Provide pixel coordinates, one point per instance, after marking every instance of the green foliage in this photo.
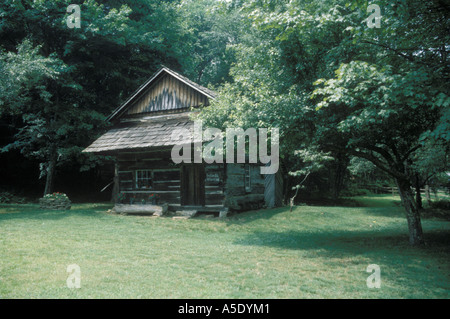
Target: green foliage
(212, 28)
(333, 86)
(21, 73)
(60, 83)
(313, 159)
(7, 198)
(372, 100)
(328, 81)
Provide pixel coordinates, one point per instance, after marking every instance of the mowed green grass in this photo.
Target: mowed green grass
(311, 252)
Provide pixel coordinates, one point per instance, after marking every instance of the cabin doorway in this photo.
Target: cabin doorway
(192, 185)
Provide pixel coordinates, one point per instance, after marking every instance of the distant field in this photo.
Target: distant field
(311, 252)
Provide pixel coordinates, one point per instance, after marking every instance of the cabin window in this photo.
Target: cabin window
(247, 179)
(144, 179)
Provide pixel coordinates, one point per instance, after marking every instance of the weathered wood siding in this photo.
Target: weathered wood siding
(214, 185)
(237, 197)
(166, 176)
(273, 193)
(167, 179)
(224, 184)
(168, 93)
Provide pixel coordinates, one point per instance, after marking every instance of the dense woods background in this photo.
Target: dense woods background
(358, 107)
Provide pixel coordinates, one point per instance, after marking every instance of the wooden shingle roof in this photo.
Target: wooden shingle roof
(148, 132)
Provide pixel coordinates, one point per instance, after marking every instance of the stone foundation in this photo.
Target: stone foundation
(245, 202)
(55, 204)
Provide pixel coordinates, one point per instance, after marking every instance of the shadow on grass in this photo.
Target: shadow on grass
(250, 216)
(345, 242)
(377, 201)
(385, 212)
(241, 218)
(329, 202)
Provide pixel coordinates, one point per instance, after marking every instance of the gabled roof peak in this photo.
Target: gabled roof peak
(155, 77)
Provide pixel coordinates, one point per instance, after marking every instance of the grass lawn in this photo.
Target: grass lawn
(311, 252)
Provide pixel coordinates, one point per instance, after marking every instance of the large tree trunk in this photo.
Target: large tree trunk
(412, 213)
(339, 174)
(51, 167)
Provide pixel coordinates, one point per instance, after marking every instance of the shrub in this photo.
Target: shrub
(121, 197)
(441, 204)
(5, 197)
(8, 198)
(355, 192)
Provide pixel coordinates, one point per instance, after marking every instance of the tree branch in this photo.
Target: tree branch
(415, 148)
(383, 152)
(396, 154)
(377, 163)
(396, 51)
(371, 158)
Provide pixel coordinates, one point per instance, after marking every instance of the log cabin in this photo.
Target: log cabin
(140, 140)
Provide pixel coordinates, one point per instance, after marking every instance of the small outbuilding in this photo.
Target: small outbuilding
(141, 140)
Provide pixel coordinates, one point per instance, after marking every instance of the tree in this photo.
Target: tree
(276, 64)
(382, 117)
(429, 161)
(63, 82)
(333, 84)
(389, 106)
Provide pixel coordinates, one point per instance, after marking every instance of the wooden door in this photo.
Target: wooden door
(192, 185)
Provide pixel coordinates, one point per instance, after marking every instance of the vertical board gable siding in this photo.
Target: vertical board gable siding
(168, 93)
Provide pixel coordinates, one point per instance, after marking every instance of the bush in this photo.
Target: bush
(441, 204)
(350, 192)
(8, 198)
